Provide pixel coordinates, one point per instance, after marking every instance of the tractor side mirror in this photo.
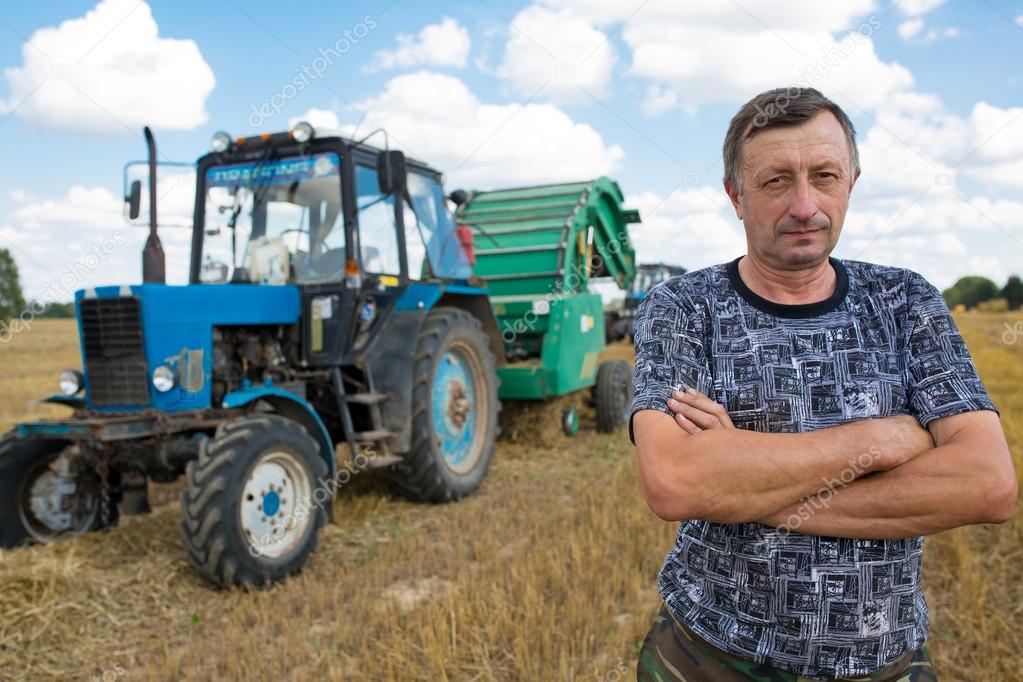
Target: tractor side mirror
(393, 172)
(134, 199)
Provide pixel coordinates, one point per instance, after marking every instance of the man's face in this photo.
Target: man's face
(796, 182)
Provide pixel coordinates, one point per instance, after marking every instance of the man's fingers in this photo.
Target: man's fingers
(698, 417)
(687, 426)
(700, 401)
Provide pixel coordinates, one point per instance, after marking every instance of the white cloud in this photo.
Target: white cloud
(437, 118)
(81, 239)
(829, 16)
(910, 28)
(913, 145)
(1019, 20)
(722, 51)
(321, 119)
(556, 55)
(693, 227)
(658, 100)
(916, 8)
(443, 44)
(110, 71)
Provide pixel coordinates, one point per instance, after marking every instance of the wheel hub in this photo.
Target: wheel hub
(58, 503)
(455, 410)
(458, 404)
(273, 509)
(271, 503)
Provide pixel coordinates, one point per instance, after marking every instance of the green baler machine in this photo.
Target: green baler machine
(537, 248)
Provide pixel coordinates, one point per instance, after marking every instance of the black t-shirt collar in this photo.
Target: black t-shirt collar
(797, 311)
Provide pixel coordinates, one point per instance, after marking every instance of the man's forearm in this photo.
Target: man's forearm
(735, 476)
(925, 495)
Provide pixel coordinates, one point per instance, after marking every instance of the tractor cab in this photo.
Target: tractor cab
(353, 226)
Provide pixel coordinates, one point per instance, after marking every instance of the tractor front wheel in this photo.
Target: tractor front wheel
(613, 395)
(46, 494)
(254, 501)
(454, 409)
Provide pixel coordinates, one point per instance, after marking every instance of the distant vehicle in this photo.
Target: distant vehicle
(619, 324)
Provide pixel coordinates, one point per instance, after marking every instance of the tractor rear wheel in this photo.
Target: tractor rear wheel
(454, 410)
(613, 395)
(44, 496)
(251, 502)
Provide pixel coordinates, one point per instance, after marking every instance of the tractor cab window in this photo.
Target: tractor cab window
(378, 234)
(274, 221)
(642, 282)
(431, 243)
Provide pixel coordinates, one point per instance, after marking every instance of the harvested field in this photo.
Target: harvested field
(546, 574)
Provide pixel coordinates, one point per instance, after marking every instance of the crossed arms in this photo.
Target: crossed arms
(882, 478)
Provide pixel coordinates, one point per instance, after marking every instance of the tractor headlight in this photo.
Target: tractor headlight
(221, 142)
(302, 132)
(71, 382)
(163, 378)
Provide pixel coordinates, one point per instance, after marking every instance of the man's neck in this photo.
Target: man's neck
(788, 287)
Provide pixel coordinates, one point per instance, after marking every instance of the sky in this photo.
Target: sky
(497, 93)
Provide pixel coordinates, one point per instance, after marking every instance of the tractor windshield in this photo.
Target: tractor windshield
(274, 220)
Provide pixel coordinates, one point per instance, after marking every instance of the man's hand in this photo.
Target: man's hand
(695, 412)
(900, 438)
(971, 465)
(894, 440)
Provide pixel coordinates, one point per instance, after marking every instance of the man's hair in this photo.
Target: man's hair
(775, 108)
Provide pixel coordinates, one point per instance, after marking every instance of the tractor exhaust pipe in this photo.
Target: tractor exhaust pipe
(154, 269)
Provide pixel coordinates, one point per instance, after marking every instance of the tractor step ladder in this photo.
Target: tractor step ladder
(366, 398)
(377, 435)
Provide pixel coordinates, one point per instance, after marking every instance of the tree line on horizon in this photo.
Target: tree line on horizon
(977, 292)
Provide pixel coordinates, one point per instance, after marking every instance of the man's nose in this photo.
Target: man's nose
(803, 207)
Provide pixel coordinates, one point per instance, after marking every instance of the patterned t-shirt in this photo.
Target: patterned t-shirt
(883, 344)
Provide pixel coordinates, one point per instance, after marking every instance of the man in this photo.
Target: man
(808, 420)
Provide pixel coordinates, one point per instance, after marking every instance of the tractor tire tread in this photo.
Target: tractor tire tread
(204, 527)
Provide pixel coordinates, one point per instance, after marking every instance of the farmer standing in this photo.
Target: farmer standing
(808, 420)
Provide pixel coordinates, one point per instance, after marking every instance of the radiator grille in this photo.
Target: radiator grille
(115, 360)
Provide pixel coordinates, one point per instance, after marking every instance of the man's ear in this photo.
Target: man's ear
(856, 176)
(733, 195)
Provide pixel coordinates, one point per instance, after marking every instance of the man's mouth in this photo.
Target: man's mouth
(802, 233)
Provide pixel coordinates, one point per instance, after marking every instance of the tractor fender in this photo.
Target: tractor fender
(424, 296)
(479, 307)
(293, 407)
(391, 358)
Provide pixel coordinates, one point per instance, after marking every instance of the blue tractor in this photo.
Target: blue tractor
(331, 301)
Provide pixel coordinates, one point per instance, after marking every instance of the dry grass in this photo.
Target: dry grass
(547, 573)
(30, 365)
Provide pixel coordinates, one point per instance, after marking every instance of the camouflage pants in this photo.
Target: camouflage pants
(673, 653)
